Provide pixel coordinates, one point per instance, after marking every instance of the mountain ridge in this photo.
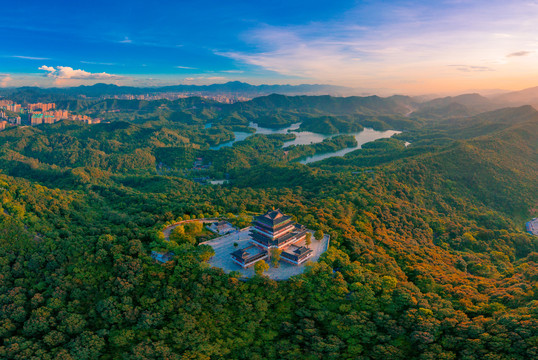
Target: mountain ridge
(526, 96)
(233, 87)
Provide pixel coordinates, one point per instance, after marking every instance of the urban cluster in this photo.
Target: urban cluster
(13, 114)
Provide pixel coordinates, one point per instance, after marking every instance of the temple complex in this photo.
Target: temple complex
(274, 230)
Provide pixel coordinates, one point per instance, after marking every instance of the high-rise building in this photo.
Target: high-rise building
(43, 107)
(14, 107)
(60, 114)
(48, 119)
(35, 118)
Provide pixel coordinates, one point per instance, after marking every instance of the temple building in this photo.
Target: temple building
(249, 256)
(222, 227)
(296, 255)
(274, 230)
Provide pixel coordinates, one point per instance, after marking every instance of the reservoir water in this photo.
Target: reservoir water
(363, 137)
(307, 138)
(239, 136)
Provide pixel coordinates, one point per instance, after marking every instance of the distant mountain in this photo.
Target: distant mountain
(468, 100)
(523, 97)
(236, 88)
(245, 88)
(456, 106)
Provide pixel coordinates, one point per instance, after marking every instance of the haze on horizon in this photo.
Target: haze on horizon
(410, 47)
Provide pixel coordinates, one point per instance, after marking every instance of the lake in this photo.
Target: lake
(363, 137)
(239, 136)
(308, 138)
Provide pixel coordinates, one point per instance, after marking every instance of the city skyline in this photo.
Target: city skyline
(412, 47)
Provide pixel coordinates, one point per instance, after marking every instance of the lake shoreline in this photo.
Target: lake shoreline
(310, 138)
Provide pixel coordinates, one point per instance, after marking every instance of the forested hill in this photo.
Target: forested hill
(490, 158)
(488, 123)
(327, 104)
(496, 163)
(428, 257)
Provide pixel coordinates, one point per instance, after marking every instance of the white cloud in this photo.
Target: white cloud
(471, 68)
(66, 72)
(203, 80)
(29, 57)
(185, 67)
(97, 63)
(145, 41)
(5, 79)
(519, 53)
(414, 45)
(292, 54)
(47, 68)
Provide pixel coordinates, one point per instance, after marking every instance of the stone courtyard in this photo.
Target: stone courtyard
(224, 246)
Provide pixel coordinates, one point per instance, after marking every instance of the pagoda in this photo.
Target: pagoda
(274, 229)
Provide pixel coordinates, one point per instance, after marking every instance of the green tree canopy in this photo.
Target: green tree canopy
(260, 267)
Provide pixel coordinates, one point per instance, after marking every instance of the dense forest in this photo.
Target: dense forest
(428, 256)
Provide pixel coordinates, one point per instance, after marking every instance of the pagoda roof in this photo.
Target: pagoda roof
(241, 254)
(247, 252)
(268, 241)
(272, 217)
(301, 250)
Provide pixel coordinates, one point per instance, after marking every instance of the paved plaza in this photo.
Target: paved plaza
(224, 246)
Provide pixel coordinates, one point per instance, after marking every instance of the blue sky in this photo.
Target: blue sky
(383, 46)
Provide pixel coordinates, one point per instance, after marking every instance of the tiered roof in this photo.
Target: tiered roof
(272, 218)
(269, 241)
(241, 254)
(247, 256)
(297, 254)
